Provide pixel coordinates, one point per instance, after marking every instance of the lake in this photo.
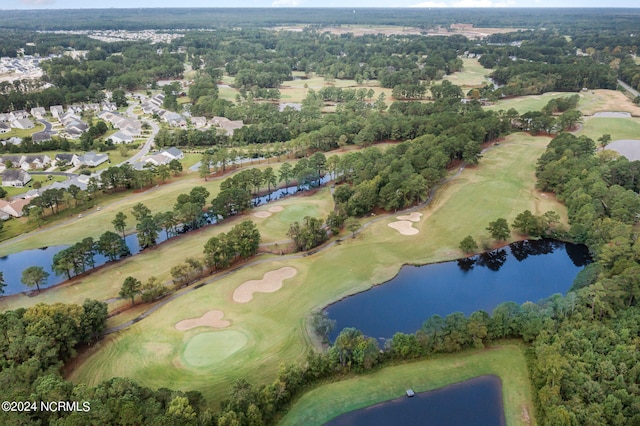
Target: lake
(475, 402)
(524, 271)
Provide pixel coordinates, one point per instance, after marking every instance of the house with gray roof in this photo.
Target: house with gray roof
(90, 159)
(22, 123)
(15, 177)
(121, 137)
(56, 110)
(173, 153)
(4, 128)
(38, 112)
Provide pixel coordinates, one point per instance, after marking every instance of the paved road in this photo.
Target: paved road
(628, 88)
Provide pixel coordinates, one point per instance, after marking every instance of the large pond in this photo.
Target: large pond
(475, 402)
(13, 264)
(524, 271)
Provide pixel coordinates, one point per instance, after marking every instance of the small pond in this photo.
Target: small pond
(475, 402)
(524, 271)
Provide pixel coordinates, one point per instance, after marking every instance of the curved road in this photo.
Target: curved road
(628, 88)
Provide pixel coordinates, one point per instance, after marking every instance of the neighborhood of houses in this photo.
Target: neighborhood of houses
(14, 172)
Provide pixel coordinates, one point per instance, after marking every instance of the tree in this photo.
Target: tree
(499, 229)
(468, 245)
(285, 174)
(528, 224)
(175, 166)
(130, 287)
(119, 223)
(34, 276)
(352, 224)
(112, 245)
(604, 140)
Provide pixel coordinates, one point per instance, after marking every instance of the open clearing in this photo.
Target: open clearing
(275, 323)
(472, 75)
(506, 361)
(618, 128)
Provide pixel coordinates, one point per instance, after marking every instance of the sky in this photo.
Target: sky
(84, 4)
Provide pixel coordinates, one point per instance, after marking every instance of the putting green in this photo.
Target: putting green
(208, 349)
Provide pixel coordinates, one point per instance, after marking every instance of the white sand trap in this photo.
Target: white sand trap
(404, 227)
(413, 217)
(613, 114)
(270, 282)
(209, 319)
(630, 148)
(261, 214)
(276, 209)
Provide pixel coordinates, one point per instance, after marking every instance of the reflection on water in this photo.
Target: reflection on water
(475, 402)
(521, 272)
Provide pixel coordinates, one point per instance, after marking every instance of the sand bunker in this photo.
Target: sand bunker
(413, 217)
(261, 214)
(266, 213)
(270, 282)
(209, 319)
(404, 227)
(613, 114)
(630, 148)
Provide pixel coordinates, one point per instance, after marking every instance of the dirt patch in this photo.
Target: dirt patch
(270, 282)
(526, 419)
(276, 209)
(404, 227)
(209, 319)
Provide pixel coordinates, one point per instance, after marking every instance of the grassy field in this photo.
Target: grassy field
(472, 75)
(21, 133)
(590, 102)
(505, 361)
(152, 351)
(618, 128)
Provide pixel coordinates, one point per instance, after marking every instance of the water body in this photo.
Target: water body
(12, 265)
(630, 148)
(524, 271)
(475, 402)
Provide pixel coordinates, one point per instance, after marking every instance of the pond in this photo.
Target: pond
(524, 271)
(13, 264)
(475, 402)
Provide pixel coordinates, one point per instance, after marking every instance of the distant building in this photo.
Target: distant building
(90, 159)
(14, 208)
(22, 123)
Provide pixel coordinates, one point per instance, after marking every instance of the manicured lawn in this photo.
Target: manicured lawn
(274, 323)
(43, 179)
(505, 361)
(618, 128)
(21, 133)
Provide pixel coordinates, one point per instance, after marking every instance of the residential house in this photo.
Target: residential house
(199, 122)
(30, 162)
(90, 159)
(74, 109)
(227, 125)
(15, 177)
(22, 123)
(38, 112)
(174, 119)
(157, 159)
(18, 115)
(4, 128)
(121, 137)
(13, 141)
(41, 136)
(14, 208)
(109, 106)
(56, 110)
(4, 117)
(65, 159)
(173, 153)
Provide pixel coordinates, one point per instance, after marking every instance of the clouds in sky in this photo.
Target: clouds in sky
(37, 2)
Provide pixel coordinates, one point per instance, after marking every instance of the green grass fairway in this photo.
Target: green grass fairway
(328, 401)
(524, 104)
(472, 75)
(275, 323)
(210, 348)
(618, 128)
